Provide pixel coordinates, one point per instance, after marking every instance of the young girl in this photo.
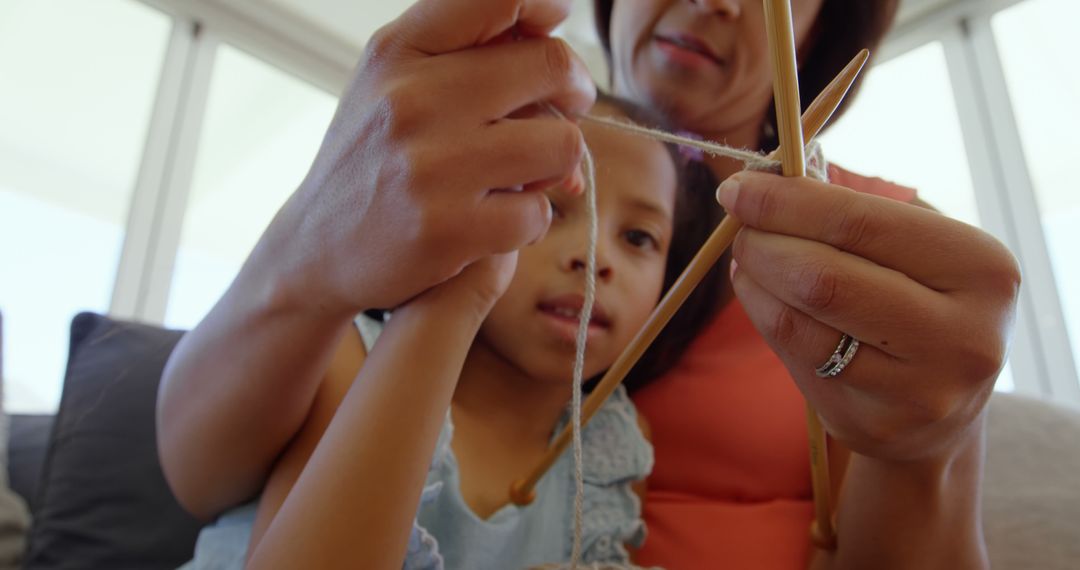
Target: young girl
(466, 386)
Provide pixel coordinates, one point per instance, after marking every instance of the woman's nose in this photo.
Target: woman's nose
(730, 9)
(603, 270)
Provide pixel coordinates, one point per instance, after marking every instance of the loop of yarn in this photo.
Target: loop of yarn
(816, 168)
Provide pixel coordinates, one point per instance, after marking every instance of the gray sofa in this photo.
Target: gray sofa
(90, 474)
(99, 500)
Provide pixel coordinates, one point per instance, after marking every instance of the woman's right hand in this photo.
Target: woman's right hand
(404, 193)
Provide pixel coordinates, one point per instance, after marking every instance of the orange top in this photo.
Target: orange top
(731, 484)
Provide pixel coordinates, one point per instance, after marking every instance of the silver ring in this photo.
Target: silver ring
(840, 358)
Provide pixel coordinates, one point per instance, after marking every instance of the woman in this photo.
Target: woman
(931, 299)
(816, 262)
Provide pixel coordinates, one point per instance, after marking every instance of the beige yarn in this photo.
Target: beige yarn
(816, 168)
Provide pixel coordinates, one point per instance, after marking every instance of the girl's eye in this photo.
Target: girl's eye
(641, 239)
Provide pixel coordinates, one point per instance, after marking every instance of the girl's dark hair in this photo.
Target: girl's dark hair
(696, 216)
(843, 27)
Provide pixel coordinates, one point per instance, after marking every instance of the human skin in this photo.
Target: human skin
(241, 384)
(345, 492)
(932, 299)
(411, 156)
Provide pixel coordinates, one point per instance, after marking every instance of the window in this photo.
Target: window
(884, 134)
(1035, 40)
(79, 80)
(261, 132)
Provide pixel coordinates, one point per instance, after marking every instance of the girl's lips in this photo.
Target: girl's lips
(573, 318)
(563, 314)
(569, 307)
(566, 328)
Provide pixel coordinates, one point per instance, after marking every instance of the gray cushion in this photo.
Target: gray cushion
(102, 501)
(14, 518)
(1031, 493)
(26, 453)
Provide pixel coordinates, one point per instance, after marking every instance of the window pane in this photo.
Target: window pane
(884, 134)
(79, 80)
(261, 132)
(1036, 40)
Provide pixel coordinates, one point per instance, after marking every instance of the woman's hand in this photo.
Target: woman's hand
(400, 199)
(404, 192)
(931, 299)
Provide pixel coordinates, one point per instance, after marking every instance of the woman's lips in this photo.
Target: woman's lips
(687, 49)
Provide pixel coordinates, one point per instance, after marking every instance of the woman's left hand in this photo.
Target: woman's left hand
(932, 301)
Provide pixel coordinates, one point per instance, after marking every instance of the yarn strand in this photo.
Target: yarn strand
(816, 167)
(579, 356)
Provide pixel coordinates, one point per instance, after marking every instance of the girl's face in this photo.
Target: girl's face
(703, 63)
(534, 324)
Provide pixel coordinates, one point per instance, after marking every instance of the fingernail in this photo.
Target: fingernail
(734, 267)
(576, 183)
(728, 192)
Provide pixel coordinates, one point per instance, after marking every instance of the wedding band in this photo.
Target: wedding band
(840, 358)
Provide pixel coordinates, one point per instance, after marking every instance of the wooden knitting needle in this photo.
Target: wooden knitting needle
(522, 491)
(781, 35)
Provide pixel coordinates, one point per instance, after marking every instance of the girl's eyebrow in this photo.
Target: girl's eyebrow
(649, 206)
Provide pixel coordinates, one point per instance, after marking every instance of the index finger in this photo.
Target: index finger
(924, 245)
(432, 27)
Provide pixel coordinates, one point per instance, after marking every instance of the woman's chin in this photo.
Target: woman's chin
(681, 107)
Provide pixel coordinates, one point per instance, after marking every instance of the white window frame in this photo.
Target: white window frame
(1041, 357)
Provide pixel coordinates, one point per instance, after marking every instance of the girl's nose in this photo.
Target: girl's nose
(603, 270)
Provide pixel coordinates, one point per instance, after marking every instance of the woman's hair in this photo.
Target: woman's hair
(842, 29)
(696, 216)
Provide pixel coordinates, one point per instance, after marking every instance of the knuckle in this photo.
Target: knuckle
(982, 360)
(400, 110)
(852, 227)
(409, 170)
(768, 205)
(783, 327)
(816, 287)
(380, 45)
(1005, 274)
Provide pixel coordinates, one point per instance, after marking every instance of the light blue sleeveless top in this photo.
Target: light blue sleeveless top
(447, 534)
